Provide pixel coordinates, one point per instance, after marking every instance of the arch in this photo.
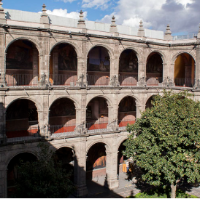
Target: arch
(37, 45)
(147, 99)
(154, 68)
(37, 104)
(184, 70)
(22, 119)
(121, 141)
(62, 116)
(76, 103)
(128, 95)
(175, 56)
(128, 68)
(133, 49)
(66, 42)
(92, 143)
(110, 51)
(101, 96)
(14, 154)
(161, 53)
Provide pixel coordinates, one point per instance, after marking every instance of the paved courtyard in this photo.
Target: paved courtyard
(126, 188)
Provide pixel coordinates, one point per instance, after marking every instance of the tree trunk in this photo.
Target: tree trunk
(173, 191)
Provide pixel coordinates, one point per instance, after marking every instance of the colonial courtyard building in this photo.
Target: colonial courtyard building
(76, 84)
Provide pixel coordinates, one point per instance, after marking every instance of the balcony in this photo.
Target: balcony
(97, 126)
(98, 80)
(153, 81)
(21, 80)
(128, 80)
(184, 82)
(31, 133)
(124, 123)
(68, 79)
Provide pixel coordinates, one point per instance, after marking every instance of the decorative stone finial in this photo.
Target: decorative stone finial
(44, 19)
(44, 10)
(141, 32)
(168, 33)
(1, 8)
(81, 21)
(198, 35)
(2, 14)
(113, 26)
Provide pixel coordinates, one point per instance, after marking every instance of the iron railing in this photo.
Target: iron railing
(123, 123)
(128, 80)
(153, 81)
(95, 125)
(22, 134)
(184, 82)
(21, 80)
(98, 80)
(55, 129)
(69, 79)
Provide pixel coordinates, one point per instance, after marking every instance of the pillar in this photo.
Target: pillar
(35, 67)
(2, 119)
(197, 67)
(80, 168)
(111, 168)
(54, 73)
(3, 176)
(139, 108)
(2, 58)
(141, 74)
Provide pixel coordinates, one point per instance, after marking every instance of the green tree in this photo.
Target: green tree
(165, 141)
(43, 178)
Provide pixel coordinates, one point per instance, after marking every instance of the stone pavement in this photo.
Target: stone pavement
(126, 188)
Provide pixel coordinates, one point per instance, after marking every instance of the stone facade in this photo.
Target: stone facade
(44, 94)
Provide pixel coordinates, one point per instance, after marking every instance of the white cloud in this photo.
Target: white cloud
(63, 13)
(182, 15)
(103, 4)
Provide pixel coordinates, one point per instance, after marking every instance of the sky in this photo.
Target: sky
(183, 16)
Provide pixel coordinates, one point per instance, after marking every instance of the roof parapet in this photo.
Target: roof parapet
(81, 21)
(141, 32)
(2, 14)
(168, 33)
(113, 27)
(44, 19)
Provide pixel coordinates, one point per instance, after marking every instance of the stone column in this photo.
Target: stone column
(141, 74)
(114, 70)
(2, 118)
(139, 108)
(80, 168)
(54, 74)
(197, 67)
(2, 58)
(35, 67)
(43, 117)
(3, 182)
(111, 169)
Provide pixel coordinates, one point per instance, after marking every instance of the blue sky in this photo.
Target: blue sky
(182, 15)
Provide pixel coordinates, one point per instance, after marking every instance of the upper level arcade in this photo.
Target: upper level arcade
(22, 64)
(128, 68)
(98, 66)
(63, 65)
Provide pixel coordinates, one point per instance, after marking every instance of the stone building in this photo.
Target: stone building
(76, 84)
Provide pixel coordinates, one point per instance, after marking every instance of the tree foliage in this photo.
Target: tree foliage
(165, 141)
(43, 178)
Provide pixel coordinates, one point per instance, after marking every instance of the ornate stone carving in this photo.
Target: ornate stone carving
(167, 82)
(114, 81)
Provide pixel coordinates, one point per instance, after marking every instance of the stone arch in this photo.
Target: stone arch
(76, 103)
(175, 56)
(146, 99)
(162, 55)
(34, 41)
(13, 154)
(128, 95)
(78, 52)
(37, 104)
(109, 101)
(92, 143)
(136, 51)
(56, 147)
(121, 141)
(110, 51)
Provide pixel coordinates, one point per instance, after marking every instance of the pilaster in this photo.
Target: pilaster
(111, 169)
